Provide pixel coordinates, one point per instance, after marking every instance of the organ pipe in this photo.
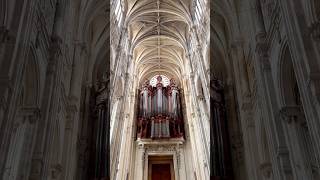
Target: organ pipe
(159, 111)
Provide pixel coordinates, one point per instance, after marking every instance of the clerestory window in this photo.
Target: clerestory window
(165, 80)
(118, 12)
(198, 11)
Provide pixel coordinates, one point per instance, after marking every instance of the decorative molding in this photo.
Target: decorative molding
(127, 115)
(5, 81)
(55, 48)
(261, 46)
(283, 155)
(56, 171)
(314, 31)
(237, 43)
(160, 148)
(200, 97)
(314, 84)
(82, 45)
(31, 114)
(266, 169)
(6, 36)
(292, 114)
(36, 167)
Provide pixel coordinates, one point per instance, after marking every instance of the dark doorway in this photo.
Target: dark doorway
(161, 172)
(160, 168)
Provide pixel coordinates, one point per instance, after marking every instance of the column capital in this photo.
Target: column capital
(119, 97)
(262, 47)
(283, 154)
(5, 35)
(314, 84)
(72, 106)
(314, 30)
(83, 46)
(191, 75)
(266, 169)
(55, 46)
(200, 97)
(237, 43)
(291, 114)
(127, 115)
(32, 113)
(56, 170)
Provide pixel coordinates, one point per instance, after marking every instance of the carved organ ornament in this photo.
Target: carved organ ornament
(159, 113)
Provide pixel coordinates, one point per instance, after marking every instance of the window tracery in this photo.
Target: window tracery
(165, 80)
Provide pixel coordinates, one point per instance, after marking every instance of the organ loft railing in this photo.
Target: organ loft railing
(159, 111)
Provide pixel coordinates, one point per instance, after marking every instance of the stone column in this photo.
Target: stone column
(101, 141)
(201, 69)
(140, 161)
(238, 56)
(181, 162)
(71, 137)
(293, 117)
(269, 111)
(22, 144)
(199, 123)
(12, 63)
(69, 143)
(306, 64)
(47, 129)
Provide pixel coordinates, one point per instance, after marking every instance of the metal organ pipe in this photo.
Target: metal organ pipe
(159, 98)
(159, 115)
(149, 102)
(174, 103)
(145, 102)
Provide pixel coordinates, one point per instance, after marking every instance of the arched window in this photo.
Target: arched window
(165, 80)
(198, 12)
(118, 12)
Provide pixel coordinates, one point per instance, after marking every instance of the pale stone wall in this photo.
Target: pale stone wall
(48, 54)
(260, 41)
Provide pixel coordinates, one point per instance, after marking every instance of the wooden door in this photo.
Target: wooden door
(161, 172)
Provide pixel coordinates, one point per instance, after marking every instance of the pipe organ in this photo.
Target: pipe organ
(160, 113)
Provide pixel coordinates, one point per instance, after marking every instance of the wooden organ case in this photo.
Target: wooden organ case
(159, 111)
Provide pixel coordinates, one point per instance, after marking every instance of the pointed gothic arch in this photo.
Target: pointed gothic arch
(25, 121)
(294, 118)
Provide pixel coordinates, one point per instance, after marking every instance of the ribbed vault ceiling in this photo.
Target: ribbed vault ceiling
(159, 30)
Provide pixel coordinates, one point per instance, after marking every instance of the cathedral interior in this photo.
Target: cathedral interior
(159, 90)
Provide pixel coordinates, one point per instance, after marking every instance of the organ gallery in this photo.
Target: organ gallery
(159, 113)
